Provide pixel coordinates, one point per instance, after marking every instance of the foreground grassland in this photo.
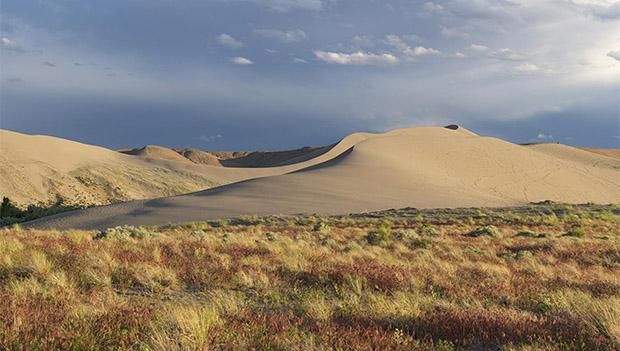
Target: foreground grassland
(543, 277)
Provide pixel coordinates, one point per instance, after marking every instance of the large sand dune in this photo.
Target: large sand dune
(417, 167)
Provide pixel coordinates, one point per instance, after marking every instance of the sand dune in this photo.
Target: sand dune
(417, 167)
(43, 169)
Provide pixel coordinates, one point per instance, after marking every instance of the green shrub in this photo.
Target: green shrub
(444, 345)
(380, 236)
(220, 223)
(530, 234)
(320, 226)
(575, 233)
(404, 234)
(123, 233)
(489, 230)
(420, 243)
(521, 254)
(198, 234)
(427, 229)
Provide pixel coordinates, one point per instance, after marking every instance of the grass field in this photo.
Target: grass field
(542, 277)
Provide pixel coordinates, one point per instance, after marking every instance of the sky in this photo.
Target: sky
(277, 74)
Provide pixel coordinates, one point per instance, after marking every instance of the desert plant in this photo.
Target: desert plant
(427, 229)
(379, 236)
(320, 226)
(489, 230)
(404, 234)
(530, 234)
(575, 232)
(123, 233)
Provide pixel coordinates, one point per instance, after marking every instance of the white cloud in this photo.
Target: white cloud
(288, 5)
(542, 136)
(210, 138)
(299, 60)
(356, 58)
(614, 55)
(287, 37)
(527, 68)
(421, 50)
(478, 47)
(400, 45)
(453, 33)
(507, 55)
(229, 41)
(241, 61)
(8, 44)
(460, 55)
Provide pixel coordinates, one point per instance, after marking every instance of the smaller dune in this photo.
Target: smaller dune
(157, 152)
(199, 157)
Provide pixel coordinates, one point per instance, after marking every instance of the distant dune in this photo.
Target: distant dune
(416, 167)
(245, 159)
(157, 152)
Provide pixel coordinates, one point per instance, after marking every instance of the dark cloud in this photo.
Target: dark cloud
(614, 55)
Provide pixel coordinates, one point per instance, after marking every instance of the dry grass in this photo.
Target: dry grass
(396, 280)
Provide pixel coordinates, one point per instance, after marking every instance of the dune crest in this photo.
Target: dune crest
(424, 167)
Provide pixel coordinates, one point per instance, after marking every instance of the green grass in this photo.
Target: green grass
(392, 280)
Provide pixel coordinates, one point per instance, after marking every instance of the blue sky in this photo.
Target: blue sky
(271, 74)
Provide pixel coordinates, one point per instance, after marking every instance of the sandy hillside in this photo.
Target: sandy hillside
(43, 169)
(417, 167)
